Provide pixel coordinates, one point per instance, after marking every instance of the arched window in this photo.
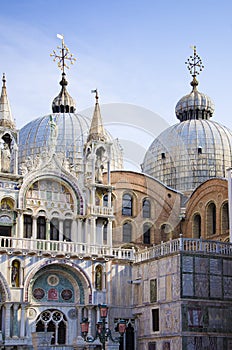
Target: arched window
(146, 208)
(165, 232)
(15, 273)
(196, 226)
(54, 229)
(98, 277)
(147, 233)
(225, 218)
(67, 229)
(53, 321)
(127, 232)
(27, 223)
(105, 200)
(41, 227)
(127, 204)
(211, 219)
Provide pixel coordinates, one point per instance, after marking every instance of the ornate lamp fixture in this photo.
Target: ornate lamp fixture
(103, 333)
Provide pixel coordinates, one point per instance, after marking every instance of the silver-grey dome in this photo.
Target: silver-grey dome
(188, 153)
(195, 105)
(73, 128)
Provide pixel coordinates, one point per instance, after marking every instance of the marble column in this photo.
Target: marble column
(15, 320)
(7, 321)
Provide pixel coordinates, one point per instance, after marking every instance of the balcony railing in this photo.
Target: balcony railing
(63, 249)
(100, 210)
(184, 245)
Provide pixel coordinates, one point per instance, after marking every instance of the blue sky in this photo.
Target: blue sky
(132, 51)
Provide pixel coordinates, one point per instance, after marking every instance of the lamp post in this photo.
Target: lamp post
(103, 333)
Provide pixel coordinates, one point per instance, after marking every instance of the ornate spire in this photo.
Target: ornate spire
(195, 66)
(96, 131)
(6, 118)
(195, 105)
(63, 103)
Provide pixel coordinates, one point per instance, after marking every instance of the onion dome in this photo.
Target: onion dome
(195, 150)
(63, 103)
(6, 119)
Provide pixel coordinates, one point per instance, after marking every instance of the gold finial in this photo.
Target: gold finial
(96, 94)
(194, 65)
(63, 55)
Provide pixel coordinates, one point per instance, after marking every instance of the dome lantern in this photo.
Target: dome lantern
(63, 103)
(195, 105)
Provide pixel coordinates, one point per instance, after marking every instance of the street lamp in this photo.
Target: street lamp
(102, 332)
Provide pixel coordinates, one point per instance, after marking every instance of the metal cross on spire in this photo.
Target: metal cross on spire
(194, 65)
(63, 55)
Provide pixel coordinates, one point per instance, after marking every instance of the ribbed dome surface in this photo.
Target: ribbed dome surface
(194, 105)
(73, 128)
(188, 153)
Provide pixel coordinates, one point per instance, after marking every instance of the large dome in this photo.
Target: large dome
(73, 128)
(187, 154)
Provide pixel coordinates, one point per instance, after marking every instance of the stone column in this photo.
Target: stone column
(109, 233)
(20, 225)
(74, 231)
(7, 320)
(15, 320)
(47, 235)
(79, 231)
(34, 227)
(22, 321)
(61, 228)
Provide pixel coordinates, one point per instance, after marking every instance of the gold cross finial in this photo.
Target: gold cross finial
(194, 63)
(63, 55)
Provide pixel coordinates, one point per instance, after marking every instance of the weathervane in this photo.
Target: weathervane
(194, 65)
(63, 55)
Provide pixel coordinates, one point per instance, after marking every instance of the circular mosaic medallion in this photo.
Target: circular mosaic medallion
(31, 313)
(38, 293)
(72, 314)
(53, 280)
(66, 294)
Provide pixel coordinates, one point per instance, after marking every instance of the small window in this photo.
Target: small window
(163, 156)
(105, 200)
(211, 219)
(27, 226)
(155, 320)
(127, 204)
(153, 290)
(146, 234)
(67, 229)
(127, 232)
(199, 150)
(146, 208)
(152, 346)
(54, 229)
(41, 227)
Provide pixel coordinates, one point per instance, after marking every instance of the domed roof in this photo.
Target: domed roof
(194, 103)
(189, 153)
(72, 132)
(195, 150)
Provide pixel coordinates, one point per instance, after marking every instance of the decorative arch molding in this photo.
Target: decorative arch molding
(82, 280)
(4, 289)
(68, 181)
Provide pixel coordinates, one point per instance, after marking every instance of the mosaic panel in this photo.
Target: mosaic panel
(187, 264)
(227, 267)
(201, 286)
(216, 266)
(170, 320)
(227, 286)
(201, 265)
(187, 285)
(204, 343)
(162, 288)
(215, 287)
(175, 286)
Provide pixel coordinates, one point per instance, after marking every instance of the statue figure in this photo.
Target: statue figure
(6, 157)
